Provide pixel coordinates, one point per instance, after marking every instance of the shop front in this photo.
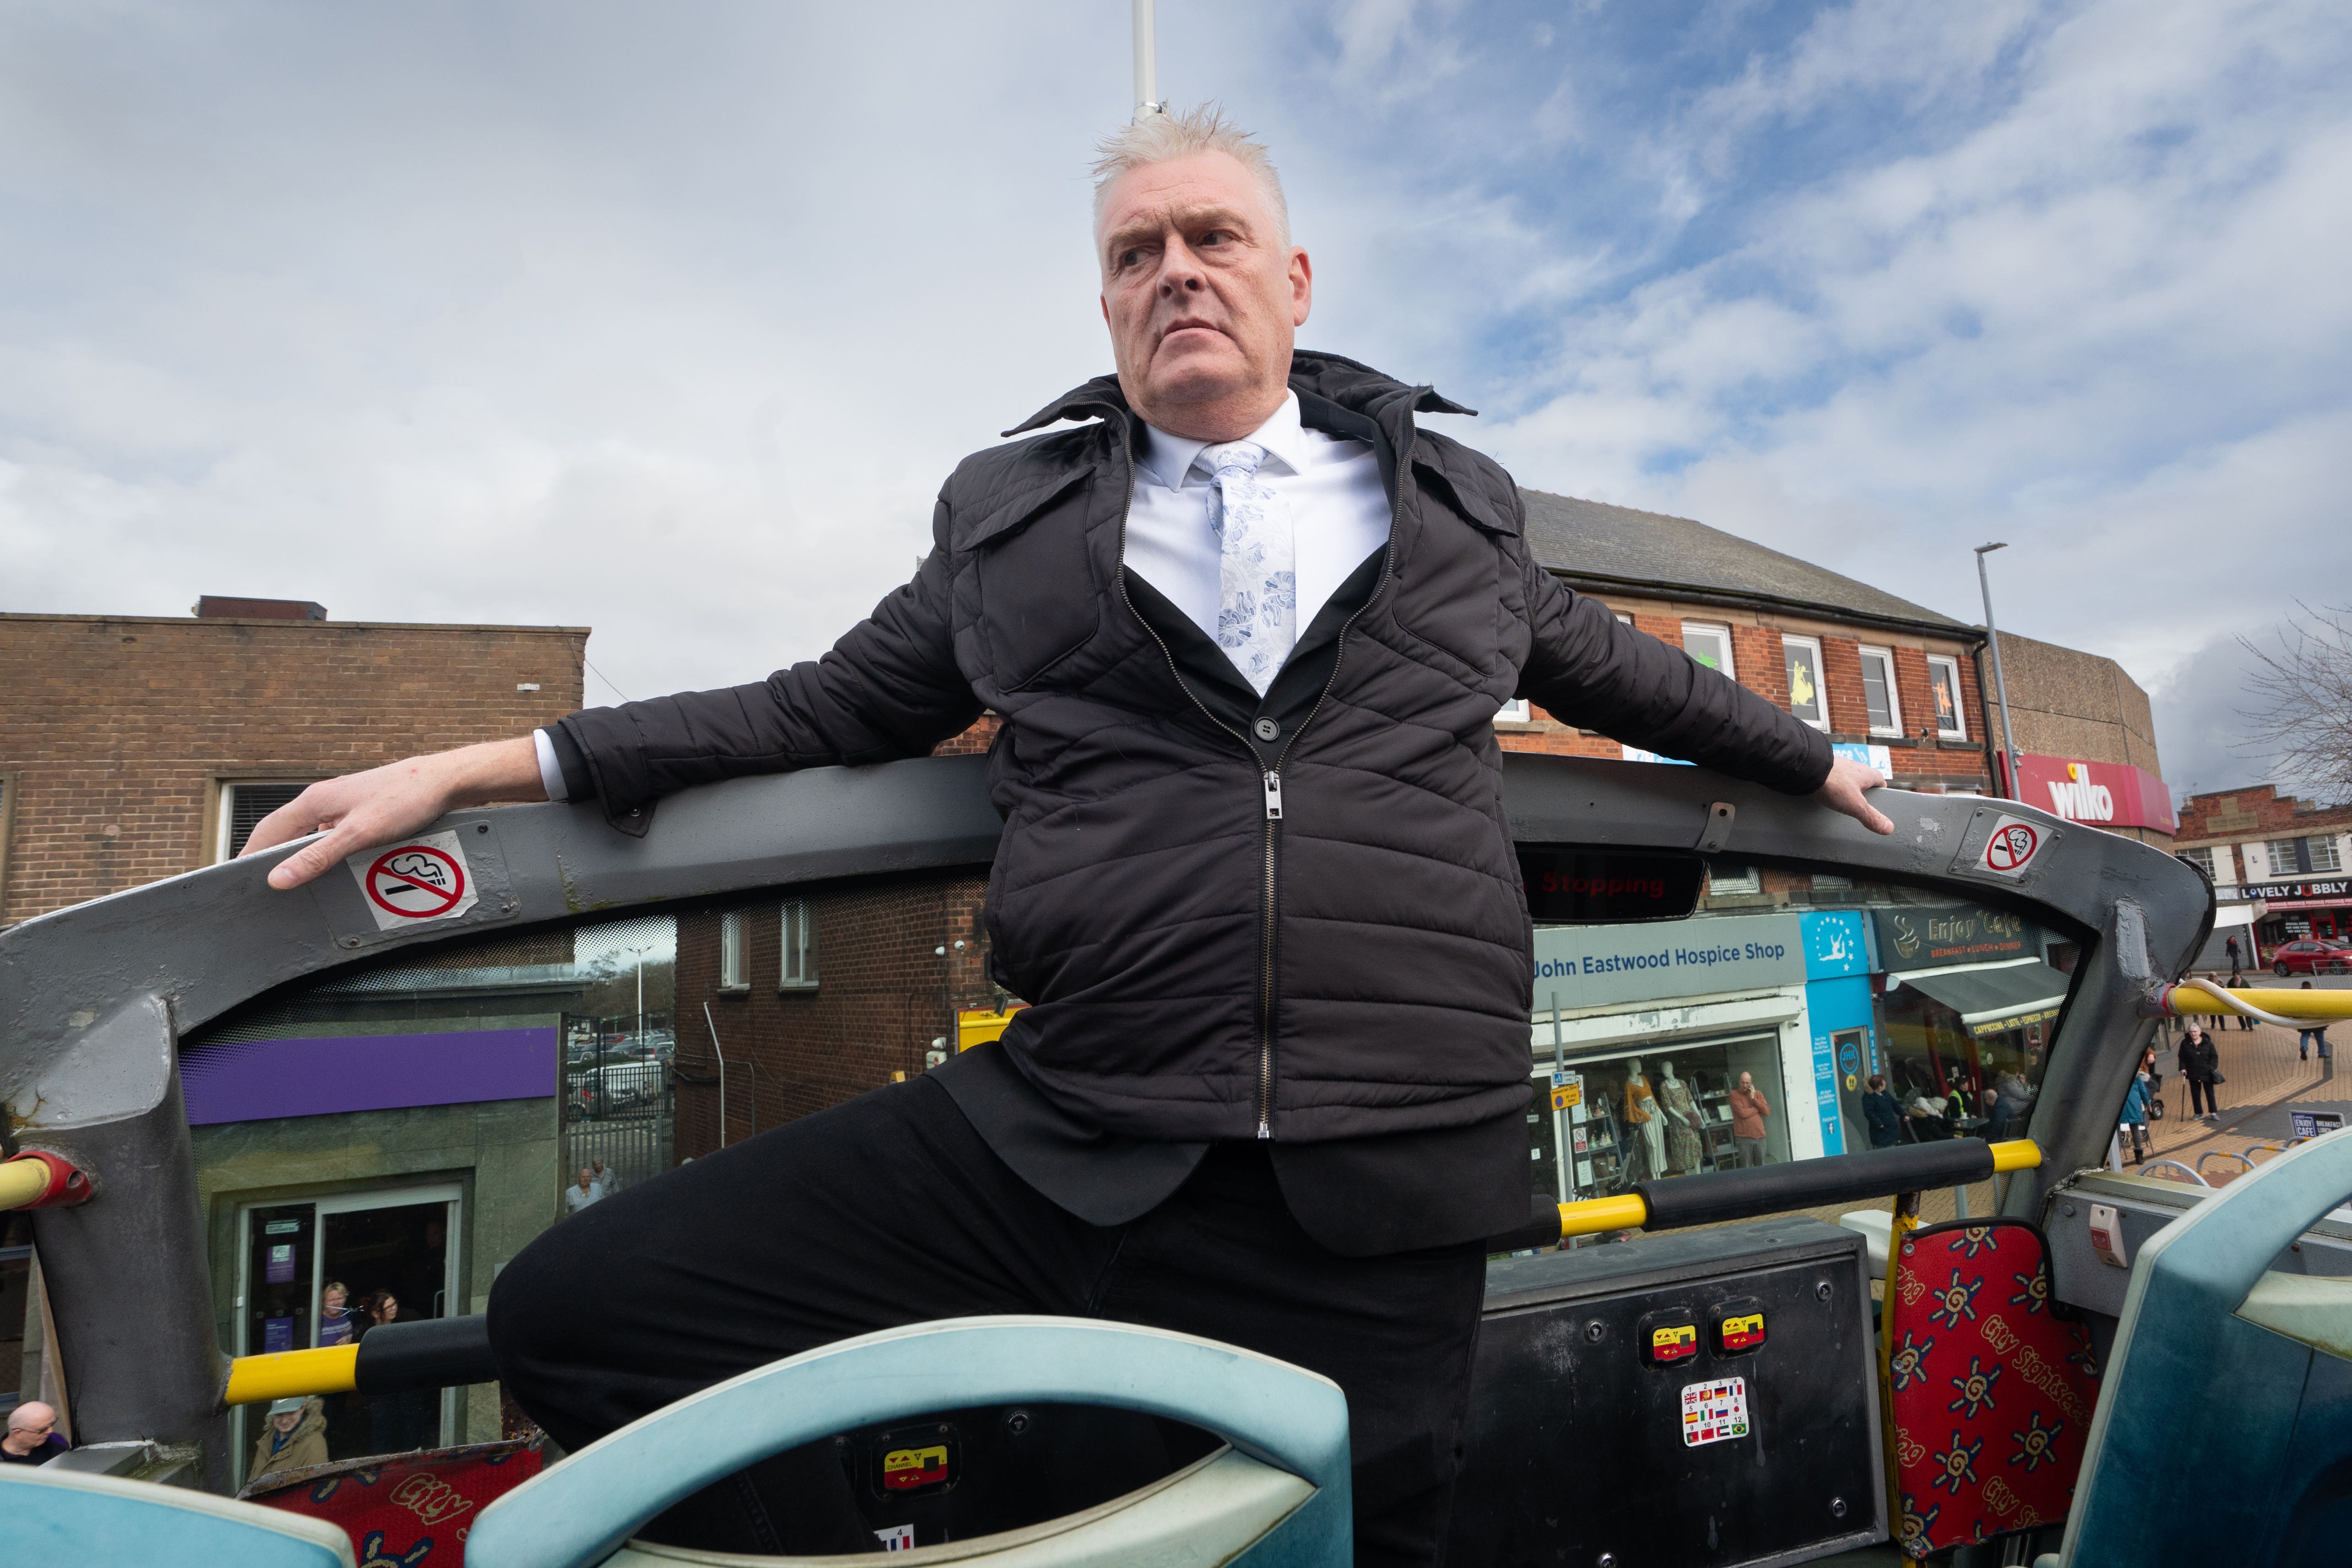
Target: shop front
(1644, 1035)
(2319, 908)
(1968, 1001)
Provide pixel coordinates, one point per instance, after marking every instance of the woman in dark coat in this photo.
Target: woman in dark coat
(2200, 1064)
(398, 1423)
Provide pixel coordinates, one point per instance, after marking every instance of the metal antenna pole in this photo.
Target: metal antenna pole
(1147, 82)
(1993, 632)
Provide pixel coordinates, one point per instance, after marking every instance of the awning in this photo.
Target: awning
(1998, 998)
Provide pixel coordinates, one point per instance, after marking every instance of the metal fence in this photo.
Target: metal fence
(618, 1100)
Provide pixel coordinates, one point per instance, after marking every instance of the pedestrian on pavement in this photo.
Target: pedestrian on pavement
(293, 1437)
(1748, 1110)
(608, 1180)
(2012, 1099)
(2199, 1060)
(2307, 1038)
(1153, 597)
(585, 1192)
(2238, 983)
(33, 1437)
(2236, 962)
(1883, 1115)
(2134, 1119)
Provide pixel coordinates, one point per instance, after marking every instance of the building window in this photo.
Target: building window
(731, 952)
(1944, 681)
(1724, 878)
(799, 973)
(1515, 711)
(1802, 656)
(242, 807)
(2202, 859)
(2300, 857)
(1878, 692)
(1711, 645)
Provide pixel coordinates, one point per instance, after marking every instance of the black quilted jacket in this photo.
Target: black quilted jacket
(1198, 968)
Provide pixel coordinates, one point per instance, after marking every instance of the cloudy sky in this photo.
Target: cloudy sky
(668, 319)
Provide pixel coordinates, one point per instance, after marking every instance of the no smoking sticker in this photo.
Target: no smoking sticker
(415, 881)
(2010, 847)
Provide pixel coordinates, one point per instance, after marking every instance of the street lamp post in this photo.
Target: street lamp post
(2000, 682)
(1146, 86)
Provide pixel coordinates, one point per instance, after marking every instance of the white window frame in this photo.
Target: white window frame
(1820, 685)
(225, 807)
(1710, 628)
(1748, 880)
(731, 953)
(2201, 857)
(1894, 693)
(796, 928)
(1951, 667)
(1516, 712)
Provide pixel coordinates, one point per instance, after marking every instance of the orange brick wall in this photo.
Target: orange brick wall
(116, 730)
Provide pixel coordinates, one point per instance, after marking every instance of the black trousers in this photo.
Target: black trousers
(2200, 1097)
(891, 1210)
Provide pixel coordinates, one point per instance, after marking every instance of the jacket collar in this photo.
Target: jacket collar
(1357, 387)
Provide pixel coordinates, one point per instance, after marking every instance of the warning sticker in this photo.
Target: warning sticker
(1714, 1412)
(898, 1538)
(422, 879)
(2010, 847)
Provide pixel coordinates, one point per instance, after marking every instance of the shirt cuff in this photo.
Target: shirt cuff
(551, 771)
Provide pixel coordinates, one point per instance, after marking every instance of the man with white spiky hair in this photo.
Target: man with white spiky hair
(1247, 627)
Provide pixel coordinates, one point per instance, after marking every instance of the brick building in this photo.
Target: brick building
(2086, 739)
(2281, 865)
(135, 747)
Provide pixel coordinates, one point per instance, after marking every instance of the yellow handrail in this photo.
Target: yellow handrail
(2016, 1154)
(2321, 1007)
(22, 1182)
(289, 1374)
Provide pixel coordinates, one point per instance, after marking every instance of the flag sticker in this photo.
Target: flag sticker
(1714, 1412)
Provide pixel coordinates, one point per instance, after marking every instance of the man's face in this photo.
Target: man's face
(1203, 297)
(288, 1422)
(1748, 1082)
(583, 1178)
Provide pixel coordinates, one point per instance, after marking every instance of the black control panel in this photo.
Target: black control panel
(1692, 1398)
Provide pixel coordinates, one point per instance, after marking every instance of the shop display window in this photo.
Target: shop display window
(1751, 1034)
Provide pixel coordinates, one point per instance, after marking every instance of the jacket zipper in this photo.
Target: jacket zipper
(1272, 778)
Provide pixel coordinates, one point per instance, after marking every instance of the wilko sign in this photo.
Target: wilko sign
(2105, 794)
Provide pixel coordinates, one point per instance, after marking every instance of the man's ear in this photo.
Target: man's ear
(1302, 287)
(1103, 300)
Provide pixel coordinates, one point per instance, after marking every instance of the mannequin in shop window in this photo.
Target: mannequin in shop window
(1683, 1144)
(1641, 1116)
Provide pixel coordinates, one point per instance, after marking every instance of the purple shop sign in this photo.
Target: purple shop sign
(279, 1269)
(276, 1334)
(251, 1081)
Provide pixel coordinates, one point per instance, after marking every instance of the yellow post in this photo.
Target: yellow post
(289, 1374)
(22, 1182)
(1591, 1216)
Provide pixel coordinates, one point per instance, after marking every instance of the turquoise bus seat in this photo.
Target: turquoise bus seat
(57, 1517)
(1276, 1495)
(2223, 1431)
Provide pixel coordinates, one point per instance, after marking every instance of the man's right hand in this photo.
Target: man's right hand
(382, 805)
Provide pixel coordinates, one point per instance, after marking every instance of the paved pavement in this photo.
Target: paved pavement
(2264, 1082)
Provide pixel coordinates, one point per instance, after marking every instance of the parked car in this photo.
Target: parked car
(2312, 955)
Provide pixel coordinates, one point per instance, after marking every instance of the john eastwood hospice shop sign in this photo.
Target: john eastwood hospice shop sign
(1591, 965)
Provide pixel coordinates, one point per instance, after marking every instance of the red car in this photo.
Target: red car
(2312, 955)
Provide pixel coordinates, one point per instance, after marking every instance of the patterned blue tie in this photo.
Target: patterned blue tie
(1258, 605)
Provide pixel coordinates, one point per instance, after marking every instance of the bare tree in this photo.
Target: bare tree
(2301, 690)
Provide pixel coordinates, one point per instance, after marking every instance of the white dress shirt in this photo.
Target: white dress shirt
(1339, 513)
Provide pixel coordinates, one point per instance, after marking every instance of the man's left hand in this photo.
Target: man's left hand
(1843, 790)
